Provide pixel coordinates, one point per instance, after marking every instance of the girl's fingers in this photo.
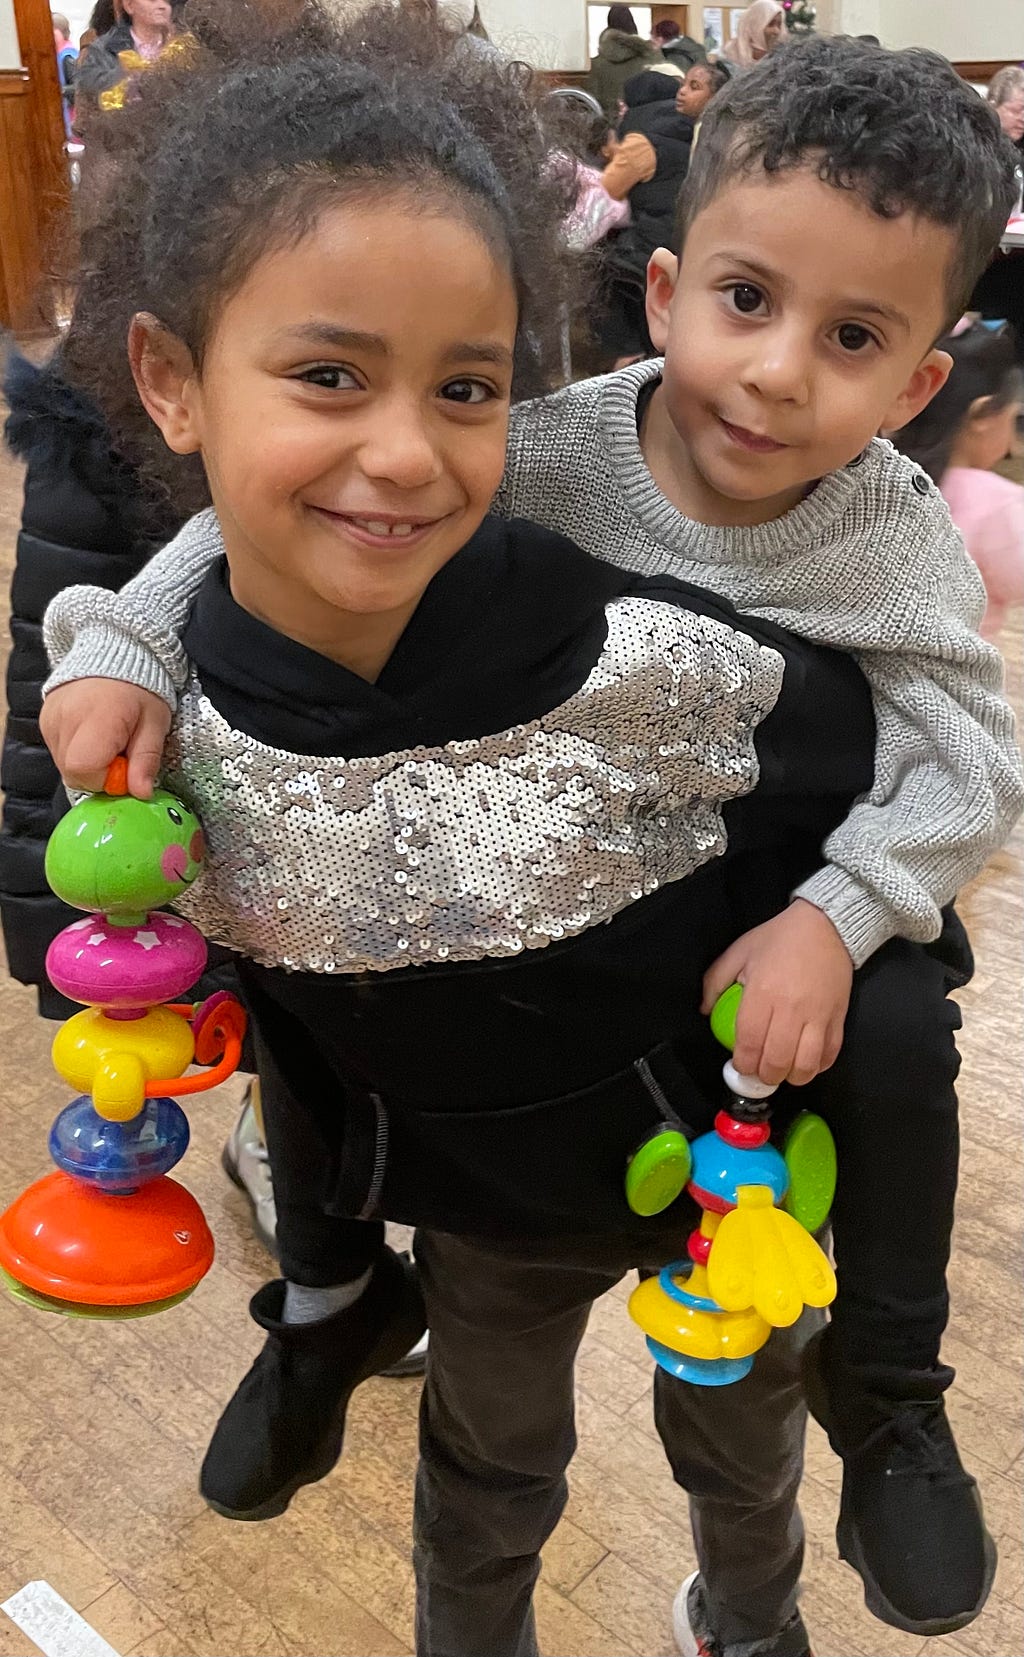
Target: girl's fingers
(145, 750)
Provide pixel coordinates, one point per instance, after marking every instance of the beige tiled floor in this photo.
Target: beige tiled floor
(102, 1426)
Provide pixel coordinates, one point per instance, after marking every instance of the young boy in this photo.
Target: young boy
(840, 205)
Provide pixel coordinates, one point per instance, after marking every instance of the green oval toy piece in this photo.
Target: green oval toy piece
(723, 1015)
(658, 1172)
(810, 1156)
(124, 856)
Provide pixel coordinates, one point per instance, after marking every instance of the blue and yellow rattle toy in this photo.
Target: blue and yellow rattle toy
(753, 1264)
(108, 1234)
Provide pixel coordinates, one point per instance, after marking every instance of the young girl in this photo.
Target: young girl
(432, 751)
(967, 430)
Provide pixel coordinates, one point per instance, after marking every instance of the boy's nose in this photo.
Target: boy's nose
(779, 369)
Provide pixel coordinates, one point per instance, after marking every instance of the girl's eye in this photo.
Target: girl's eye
(852, 337)
(467, 391)
(329, 376)
(746, 298)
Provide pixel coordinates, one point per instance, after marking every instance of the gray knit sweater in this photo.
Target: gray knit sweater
(870, 563)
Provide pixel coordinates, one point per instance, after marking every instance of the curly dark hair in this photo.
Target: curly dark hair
(899, 128)
(236, 143)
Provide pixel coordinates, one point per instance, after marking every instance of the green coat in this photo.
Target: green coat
(619, 58)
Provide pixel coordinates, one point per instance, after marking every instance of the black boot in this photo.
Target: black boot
(285, 1424)
(910, 1520)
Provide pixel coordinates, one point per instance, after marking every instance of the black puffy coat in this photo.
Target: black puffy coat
(652, 112)
(85, 518)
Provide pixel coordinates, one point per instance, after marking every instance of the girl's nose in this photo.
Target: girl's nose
(399, 449)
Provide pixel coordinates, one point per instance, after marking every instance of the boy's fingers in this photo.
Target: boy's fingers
(779, 1050)
(719, 976)
(752, 1023)
(809, 1060)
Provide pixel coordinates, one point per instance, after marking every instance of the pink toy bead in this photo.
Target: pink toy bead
(125, 967)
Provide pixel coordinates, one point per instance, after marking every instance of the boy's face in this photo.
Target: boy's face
(796, 326)
(352, 415)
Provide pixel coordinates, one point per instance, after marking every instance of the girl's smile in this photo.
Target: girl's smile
(352, 415)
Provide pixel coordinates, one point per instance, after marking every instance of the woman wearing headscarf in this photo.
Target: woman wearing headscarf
(758, 31)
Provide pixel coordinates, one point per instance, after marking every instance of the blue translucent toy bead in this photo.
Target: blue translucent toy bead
(718, 1169)
(702, 1372)
(118, 1157)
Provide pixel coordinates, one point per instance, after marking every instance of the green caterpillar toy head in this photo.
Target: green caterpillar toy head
(124, 856)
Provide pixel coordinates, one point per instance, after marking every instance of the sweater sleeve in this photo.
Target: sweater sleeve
(948, 784)
(134, 634)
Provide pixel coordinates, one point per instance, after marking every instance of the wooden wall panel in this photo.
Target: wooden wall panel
(20, 253)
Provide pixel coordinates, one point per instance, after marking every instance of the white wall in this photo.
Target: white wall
(960, 29)
(549, 36)
(10, 54)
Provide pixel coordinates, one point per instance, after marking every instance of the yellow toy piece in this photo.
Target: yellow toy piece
(114, 1058)
(697, 1332)
(762, 1258)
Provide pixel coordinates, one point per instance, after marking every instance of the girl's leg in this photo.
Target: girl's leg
(496, 1435)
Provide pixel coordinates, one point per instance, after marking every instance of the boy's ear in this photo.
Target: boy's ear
(165, 379)
(928, 377)
(662, 274)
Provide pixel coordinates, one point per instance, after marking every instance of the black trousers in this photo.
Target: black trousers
(890, 1100)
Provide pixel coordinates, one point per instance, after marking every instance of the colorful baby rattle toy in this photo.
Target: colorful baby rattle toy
(108, 1234)
(753, 1265)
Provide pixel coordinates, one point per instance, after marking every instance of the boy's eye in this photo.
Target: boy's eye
(746, 297)
(853, 337)
(467, 391)
(328, 375)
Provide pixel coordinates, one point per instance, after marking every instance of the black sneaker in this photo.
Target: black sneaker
(910, 1519)
(285, 1424)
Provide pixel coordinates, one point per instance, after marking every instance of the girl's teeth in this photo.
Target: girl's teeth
(375, 528)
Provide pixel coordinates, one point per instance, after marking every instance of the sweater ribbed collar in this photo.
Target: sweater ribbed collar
(783, 538)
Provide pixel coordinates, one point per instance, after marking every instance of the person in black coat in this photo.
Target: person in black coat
(85, 518)
(648, 167)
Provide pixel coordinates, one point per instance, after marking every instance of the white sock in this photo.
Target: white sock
(305, 1305)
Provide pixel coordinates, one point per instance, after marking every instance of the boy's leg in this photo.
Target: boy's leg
(496, 1435)
(911, 1520)
(738, 1452)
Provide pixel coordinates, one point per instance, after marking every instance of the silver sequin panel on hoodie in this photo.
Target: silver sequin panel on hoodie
(487, 847)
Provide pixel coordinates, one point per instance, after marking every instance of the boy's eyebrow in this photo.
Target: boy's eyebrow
(354, 339)
(847, 302)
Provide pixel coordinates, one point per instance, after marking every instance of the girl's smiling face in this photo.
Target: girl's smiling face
(352, 416)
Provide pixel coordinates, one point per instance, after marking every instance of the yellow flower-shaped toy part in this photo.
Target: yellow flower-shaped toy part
(762, 1258)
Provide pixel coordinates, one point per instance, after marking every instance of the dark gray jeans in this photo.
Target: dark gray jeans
(497, 1434)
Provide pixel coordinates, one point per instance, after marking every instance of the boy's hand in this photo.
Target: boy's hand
(87, 723)
(796, 976)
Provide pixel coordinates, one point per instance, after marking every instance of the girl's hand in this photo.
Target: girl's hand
(797, 976)
(87, 723)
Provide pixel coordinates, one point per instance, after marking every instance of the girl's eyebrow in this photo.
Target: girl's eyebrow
(354, 339)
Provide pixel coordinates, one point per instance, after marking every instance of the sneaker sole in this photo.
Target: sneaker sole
(278, 1504)
(876, 1602)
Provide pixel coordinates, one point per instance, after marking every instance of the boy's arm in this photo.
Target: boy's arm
(134, 634)
(948, 785)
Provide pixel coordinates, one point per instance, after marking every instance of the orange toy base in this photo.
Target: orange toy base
(71, 1242)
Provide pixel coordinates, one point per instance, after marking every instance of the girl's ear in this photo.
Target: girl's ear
(166, 381)
(928, 377)
(662, 273)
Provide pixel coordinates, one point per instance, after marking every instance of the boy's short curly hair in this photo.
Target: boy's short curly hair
(901, 129)
(236, 142)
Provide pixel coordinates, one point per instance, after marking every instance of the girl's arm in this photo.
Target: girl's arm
(119, 664)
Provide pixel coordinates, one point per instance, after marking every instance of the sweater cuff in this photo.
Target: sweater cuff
(861, 919)
(104, 652)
